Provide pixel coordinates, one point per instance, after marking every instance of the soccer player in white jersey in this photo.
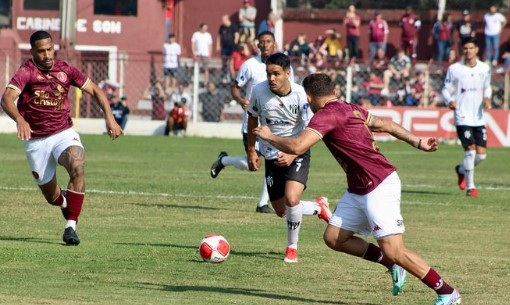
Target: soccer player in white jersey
(252, 72)
(282, 106)
(467, 90)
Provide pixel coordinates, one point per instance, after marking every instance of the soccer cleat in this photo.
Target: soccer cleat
(398, 275)
(290, 255)
(70, 237)
(264, 209)
(453, 298)
(461, 180)
(472, 193)
(217, 166)
(325, 212)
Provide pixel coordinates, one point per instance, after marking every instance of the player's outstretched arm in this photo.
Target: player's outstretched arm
(297, 145)
(252, 155)
(114, 130)
(378, 124)
(9, 106)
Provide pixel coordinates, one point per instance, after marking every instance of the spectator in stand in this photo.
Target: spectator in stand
(240, 55)
(183, 91)
(352, 23)
(494, 23)
(202, 48)
(377, 34)
(212, 104)
(169, 13)
(247, 15)
(228, 38)
(506, 58)
(380, 63)
(299, 48)
(332, 47)
(465, 28)
(442, 33)
(268, 24)
(120, 111)
(178, 118)
(410, 24)
(171, 53)
(398, 68)
(373, 87)
(156, 93)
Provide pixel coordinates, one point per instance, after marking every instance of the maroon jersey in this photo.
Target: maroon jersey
(343, 128)
(43, 100)
(409, 29)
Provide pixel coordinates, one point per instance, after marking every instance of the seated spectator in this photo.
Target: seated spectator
(380, 62)
(240, 55)
(213, 102)
(157, 96)
(373, 87)
(332, 47)
(398, 68)
(299, 48)
(268, 24)
(183, 91)
(120, 111)
(178, 118)
(506, 58)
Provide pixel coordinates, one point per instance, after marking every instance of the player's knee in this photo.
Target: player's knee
(480, 157)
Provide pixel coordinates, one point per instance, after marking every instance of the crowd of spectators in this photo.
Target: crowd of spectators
(377, 80)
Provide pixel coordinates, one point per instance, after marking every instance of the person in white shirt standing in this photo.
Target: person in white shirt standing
(202, 49)
(467, 89)
(171, 52)
(494, 23)
(283, 106)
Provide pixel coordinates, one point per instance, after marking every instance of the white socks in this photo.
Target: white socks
(72, 224)
(239, 162)
(469, 168)
(264, 196)
(294, 219)
(310, 208)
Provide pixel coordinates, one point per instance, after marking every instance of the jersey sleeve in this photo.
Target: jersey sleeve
(78, 79)
(20, 79)
(322, 123)
(243, 76)
(487, 88)
(448, 86)
(306, 111)
(254, 107)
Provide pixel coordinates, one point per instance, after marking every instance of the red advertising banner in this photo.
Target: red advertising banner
(438, 122)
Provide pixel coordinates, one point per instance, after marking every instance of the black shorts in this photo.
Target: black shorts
(472, 135)
(277, 176)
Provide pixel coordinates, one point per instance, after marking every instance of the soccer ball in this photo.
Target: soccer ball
(214, 248)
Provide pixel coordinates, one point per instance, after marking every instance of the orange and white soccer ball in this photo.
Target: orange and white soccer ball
(214, 248)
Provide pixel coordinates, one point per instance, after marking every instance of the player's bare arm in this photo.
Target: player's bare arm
(487, 104)
(378, 124)
(114, 130)
(285, 159)
(236, 94)
(295, 145)
(253, 157)
(9, 106)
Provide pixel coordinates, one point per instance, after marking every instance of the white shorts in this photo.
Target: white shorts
(377, 212)
(43, 153)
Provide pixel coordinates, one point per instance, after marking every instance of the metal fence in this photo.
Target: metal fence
(139, 77)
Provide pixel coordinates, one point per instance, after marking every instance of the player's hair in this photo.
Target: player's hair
(279, 59)
(38, 35)
(265, 33)
(319, 85)
(470, 40)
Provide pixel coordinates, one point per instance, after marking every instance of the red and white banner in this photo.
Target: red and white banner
(438, 122)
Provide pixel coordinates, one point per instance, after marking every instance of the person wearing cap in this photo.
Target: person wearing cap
(247, 15)
(377, 34)
(465, 28)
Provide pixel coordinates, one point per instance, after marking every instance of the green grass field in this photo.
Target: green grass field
(150, 200)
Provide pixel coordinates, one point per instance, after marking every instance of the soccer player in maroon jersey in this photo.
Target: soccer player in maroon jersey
(42, 115)
(372, 201)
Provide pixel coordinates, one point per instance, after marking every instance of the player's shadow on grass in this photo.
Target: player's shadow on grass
(270, 254)
(243, 291)
(175, 206)
(425, 192)
(26, 239)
